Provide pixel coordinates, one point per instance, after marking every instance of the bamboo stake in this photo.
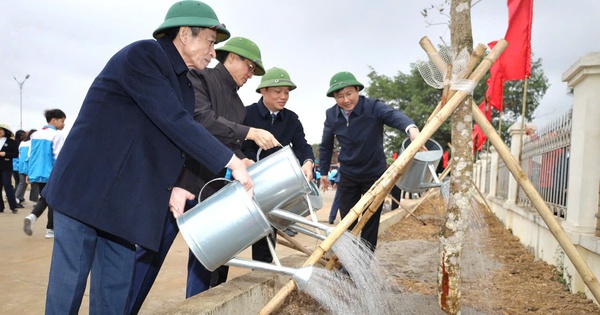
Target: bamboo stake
(480, 194)
(391, 175)
(293, 244)
(539, 204)
(410, 213)
(362, 221)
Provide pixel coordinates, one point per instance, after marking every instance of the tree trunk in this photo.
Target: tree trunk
(452, 233)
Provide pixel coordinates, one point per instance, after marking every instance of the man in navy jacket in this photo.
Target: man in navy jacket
(357, 123)
(270, 114)
(112, 186)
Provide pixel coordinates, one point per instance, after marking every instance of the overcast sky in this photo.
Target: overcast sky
(63, 45)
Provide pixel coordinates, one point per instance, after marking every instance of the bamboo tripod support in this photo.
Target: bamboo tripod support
(540, 205)
(391, 175)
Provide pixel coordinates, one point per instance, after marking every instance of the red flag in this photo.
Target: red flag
(495, 83)
(445, 158)
(516, 59)
(486, 111)
(478, 138)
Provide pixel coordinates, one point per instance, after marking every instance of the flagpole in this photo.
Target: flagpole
(524, 110)
(487, 108)
(500, 124)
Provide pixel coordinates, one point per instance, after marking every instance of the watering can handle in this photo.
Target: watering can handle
(258, 154)
(210, 181)
(260, 150)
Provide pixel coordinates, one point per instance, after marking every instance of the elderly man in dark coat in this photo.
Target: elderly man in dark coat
(113, 184)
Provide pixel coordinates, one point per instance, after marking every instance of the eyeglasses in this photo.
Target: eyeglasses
(250, 64)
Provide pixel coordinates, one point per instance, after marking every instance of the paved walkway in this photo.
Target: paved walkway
(25, 263)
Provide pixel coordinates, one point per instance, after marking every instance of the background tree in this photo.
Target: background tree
(410, 94)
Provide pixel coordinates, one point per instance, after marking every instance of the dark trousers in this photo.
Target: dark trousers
(6, 178)
(335, 205)
(41, 206)
(78, 250)
(21, 188)
(351, 190)
(260, 249)
(397, 194)
(148, 264)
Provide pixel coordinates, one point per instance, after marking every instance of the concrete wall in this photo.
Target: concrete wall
(584, 178)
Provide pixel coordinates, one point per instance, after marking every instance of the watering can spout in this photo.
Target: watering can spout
(300, 275)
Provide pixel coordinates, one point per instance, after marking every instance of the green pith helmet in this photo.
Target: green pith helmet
(341, 80)
(247, 49)
(192, 13)
(276, 77)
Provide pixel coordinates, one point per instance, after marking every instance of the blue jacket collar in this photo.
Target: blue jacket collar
(176, 60)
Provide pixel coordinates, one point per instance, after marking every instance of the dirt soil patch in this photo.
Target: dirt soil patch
(498, 276)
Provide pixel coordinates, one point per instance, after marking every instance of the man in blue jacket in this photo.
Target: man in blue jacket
(357, 123)
(113, 185)
(270, 114)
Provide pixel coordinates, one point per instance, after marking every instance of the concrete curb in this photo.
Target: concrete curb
(248, 293)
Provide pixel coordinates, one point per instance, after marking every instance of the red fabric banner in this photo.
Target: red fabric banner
(486, 111)
(516, 59)
(478, 138)
(495, 83)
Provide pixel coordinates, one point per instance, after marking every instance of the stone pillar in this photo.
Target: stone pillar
(477, 173)
(584, 161)
(485, 165)
(516, 134)
(494, 156)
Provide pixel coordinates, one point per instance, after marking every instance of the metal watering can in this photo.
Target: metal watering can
(230, 214)
(420, 173)
(277, 179)
(287, 216)
(300, 206)
(300, 275)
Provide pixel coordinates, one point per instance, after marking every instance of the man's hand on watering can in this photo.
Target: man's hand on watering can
(248, 162)
(307, 169)
(264, 139)
(324, 182)
(413, 134)
(239, 172)
(177, 201)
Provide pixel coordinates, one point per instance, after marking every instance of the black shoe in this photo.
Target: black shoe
(290, 232)
(18, 206)
(14, 211)
(330, 221)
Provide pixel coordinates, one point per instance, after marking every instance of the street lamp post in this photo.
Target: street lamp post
(21, 97)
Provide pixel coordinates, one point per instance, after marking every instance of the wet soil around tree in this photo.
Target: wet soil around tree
(498, 275)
